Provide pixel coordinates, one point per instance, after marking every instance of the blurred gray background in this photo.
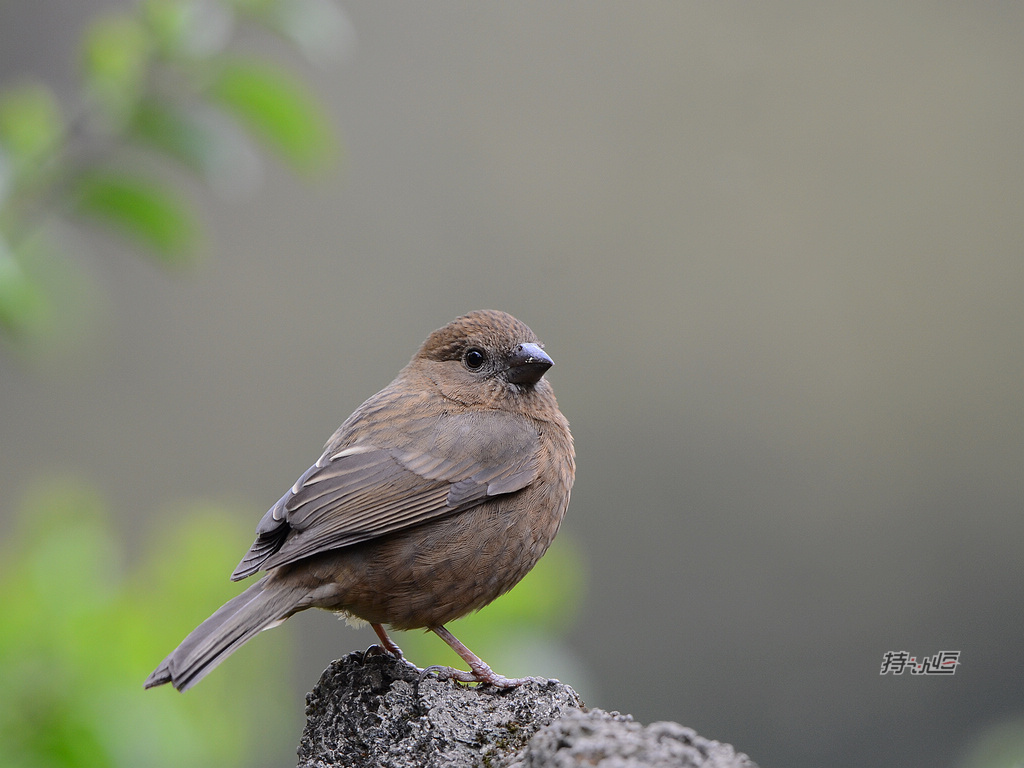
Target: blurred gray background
(777, 253)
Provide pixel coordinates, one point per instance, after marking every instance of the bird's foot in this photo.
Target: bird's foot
(387, 645)
(376, 650)
(479, 671)
(482, 674)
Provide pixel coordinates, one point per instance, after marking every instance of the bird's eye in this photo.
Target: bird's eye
(474, 358)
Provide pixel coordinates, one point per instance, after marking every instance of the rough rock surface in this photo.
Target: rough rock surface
(611, 740)
(377, 712)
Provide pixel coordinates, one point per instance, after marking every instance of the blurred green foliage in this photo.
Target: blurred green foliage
(83, 628)
(162, 85)
(152, 213)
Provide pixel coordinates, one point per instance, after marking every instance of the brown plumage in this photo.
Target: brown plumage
(437, 495)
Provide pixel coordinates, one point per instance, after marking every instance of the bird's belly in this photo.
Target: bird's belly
(440, 571)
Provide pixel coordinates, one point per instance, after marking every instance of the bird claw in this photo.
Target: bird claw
(387, 645)
(484, 676)
(376, 650)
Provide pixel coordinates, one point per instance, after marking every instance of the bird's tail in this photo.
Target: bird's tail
(264, 604)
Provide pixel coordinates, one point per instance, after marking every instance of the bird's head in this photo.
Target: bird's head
(486, 358)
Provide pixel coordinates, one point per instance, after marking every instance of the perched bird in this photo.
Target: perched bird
(435, 497)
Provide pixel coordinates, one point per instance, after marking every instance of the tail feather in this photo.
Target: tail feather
(264, 604)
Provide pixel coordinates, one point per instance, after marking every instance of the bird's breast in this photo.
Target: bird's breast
(439, 571)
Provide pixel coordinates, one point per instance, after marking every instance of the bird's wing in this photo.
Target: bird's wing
(364, 491)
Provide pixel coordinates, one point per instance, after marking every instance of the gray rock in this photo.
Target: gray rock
(378, 713)
(611, 740)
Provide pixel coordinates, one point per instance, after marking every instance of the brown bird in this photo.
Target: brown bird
(435, 497)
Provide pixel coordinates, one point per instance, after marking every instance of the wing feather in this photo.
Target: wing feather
(364, 491)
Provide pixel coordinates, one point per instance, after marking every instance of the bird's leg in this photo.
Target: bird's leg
(386, 643)
(481, 673)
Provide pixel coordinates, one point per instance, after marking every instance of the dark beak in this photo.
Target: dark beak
(527, 363)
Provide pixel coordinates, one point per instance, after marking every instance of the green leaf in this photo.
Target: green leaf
(115, 59)
(279, 110)
(187, 28)
(151, 213)
(173, 132)
(24, 309)
(203, 138)
(30, 122)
